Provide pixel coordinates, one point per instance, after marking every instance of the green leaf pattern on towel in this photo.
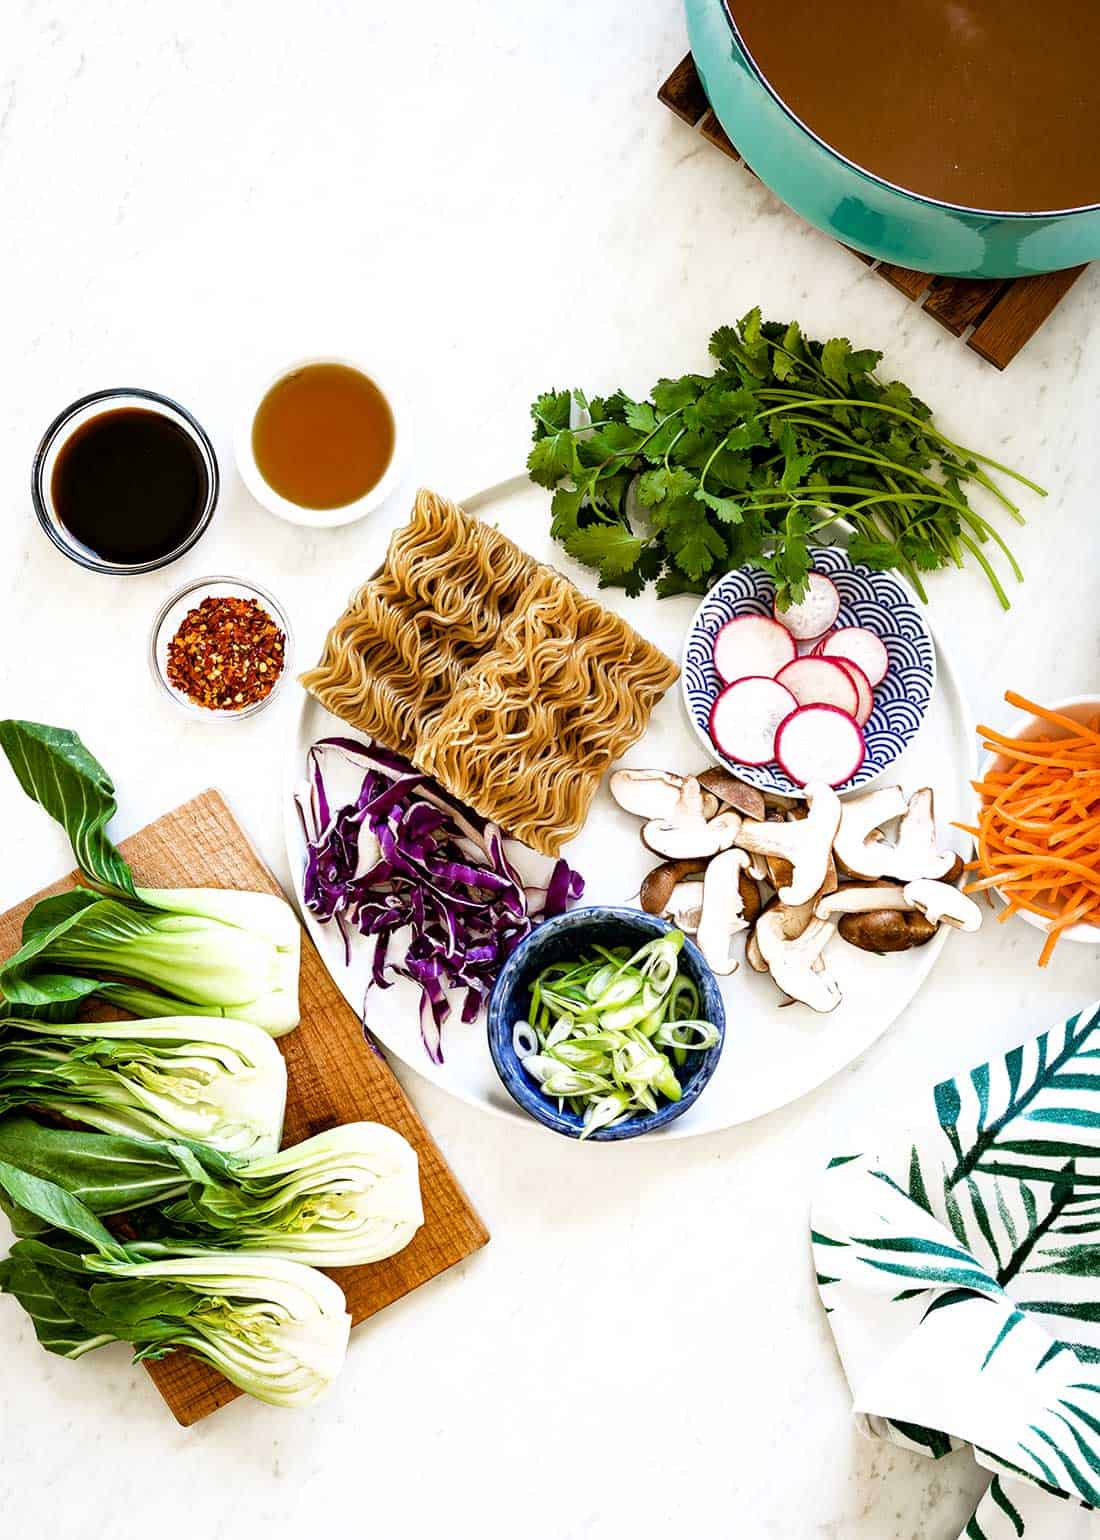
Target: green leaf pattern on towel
(976, 1246)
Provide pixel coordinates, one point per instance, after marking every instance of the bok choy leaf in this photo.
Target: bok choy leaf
(221, 1083)
(278, 1330)
(159, 951)
(348, 1196)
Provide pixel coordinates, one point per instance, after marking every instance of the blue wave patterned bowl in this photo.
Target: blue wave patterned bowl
(566, 937)
(878, 600)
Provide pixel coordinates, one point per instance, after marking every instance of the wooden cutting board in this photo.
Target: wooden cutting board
(334, 1076)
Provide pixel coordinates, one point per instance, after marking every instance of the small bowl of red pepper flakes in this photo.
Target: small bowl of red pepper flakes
(220, 647)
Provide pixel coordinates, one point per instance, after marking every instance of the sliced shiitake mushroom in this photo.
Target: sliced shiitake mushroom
(646, 793)
(685, 905)
(751, 904)
(793, 961)
(752, 953)
(732, 792)
(658, 885)
(678, 839)
(807, 843)
(886, 930)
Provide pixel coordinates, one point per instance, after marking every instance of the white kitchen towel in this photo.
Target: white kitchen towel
(960, 1270)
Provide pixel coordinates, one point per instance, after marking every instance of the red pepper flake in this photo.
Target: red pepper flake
(227, 654)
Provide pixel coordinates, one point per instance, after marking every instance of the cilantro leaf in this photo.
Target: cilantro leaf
(727, 508)
(655, 485)
(608, 442)
(550, 411)
(795, 465)
(868, 552)
(674, 395)
(565, 506)
(646, 570)
(552, 458)
(750, 462)
(693, 540)
(640, 415)
(610, 547)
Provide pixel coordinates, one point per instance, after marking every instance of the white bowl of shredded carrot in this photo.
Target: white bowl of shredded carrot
(1038, 831)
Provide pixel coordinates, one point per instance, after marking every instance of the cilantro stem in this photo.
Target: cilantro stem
(925, 428)
(979, 556)
(671, 447)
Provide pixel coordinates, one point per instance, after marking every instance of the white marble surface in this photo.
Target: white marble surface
(489, 195)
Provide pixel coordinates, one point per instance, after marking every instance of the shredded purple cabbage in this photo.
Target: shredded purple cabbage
(405, 853)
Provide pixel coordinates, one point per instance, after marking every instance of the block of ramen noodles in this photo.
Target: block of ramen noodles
(534, 725)
(491, 672)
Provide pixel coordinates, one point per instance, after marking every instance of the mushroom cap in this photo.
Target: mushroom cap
(886, 930)
(732, 792)
(658, 884)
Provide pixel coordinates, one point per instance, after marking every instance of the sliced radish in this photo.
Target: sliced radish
(819, 743)
(751, 647)
(745, 716)
(813, 615)
(820, 682)
(861, 647)
(866, 695)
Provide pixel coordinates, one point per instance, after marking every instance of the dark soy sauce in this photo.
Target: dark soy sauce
(130, 485)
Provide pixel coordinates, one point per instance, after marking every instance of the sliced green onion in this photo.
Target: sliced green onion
(599, 1028)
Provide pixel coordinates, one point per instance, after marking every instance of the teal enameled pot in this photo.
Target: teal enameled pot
(860, 209)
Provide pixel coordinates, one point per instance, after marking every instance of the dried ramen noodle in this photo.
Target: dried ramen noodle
(491, 672)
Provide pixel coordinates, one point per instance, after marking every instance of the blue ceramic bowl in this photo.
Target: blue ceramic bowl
(566, 938)
(877, 600)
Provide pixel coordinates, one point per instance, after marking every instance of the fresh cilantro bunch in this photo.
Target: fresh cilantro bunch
(751, 464)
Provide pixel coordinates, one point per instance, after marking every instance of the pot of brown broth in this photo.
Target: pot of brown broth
(953, 136)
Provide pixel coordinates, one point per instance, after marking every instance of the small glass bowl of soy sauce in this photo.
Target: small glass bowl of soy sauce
(124, 481)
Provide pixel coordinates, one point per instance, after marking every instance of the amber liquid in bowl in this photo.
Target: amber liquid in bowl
(323, 436)
(987, 104)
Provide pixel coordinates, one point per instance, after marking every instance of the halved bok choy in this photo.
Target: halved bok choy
(277, 1329)
(221, 1083)
(156, 951)
(348, 1196)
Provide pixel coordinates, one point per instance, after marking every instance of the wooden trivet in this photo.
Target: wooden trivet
(995, 316)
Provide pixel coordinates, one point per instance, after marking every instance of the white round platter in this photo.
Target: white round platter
(773, 1054)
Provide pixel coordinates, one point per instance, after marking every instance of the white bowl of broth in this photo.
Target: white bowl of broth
(322, 442)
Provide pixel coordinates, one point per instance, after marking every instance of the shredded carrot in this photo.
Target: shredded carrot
(1038, 832)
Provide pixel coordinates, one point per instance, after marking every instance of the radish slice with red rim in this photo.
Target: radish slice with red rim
(866, 695)
(820, 682)
(813, 615)
(819, 743)
(861, 647)
(751, 647)
(745, 716)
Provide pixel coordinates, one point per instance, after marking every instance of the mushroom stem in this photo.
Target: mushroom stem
(806, 843)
